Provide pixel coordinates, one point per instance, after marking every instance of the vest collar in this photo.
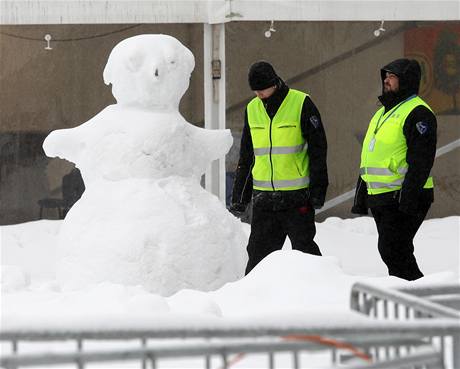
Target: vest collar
(273, 103)
(390, 100)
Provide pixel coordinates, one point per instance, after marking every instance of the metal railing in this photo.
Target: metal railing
(425, 357)
(414, 304)
(447, 295)
(407, 328)
(340, 341)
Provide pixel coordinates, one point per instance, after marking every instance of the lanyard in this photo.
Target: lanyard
(390, 113)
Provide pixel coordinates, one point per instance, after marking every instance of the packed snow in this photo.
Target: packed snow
(285, 283)
(287, 288)
(144, 218)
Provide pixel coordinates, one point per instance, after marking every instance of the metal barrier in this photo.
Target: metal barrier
(411, 329)
(447, 295)
(426, 357)
(340, 341)
(413, 304)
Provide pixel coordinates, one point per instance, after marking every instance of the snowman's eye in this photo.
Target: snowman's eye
(156, 72)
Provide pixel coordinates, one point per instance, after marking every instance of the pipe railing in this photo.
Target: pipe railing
(392, 342)
(447, 295)
(426, 357)
(364, 298)
(366, 326)
(412, 304)
(208, 349)
(365, 336)
(444, 289)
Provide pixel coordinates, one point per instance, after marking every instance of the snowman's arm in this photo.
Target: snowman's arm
(71, 142)
(210, 144)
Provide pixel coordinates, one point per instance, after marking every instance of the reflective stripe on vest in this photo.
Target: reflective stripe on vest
(378, 185)
(281, 158)
(302, 182)
(280, 150)
(381, 171)
(383, 156)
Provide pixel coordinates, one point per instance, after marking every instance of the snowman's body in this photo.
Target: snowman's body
(144, 218)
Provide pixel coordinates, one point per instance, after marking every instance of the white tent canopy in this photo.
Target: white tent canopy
(221, 11)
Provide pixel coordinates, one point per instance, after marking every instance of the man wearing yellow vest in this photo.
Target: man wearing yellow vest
(282, 166)
(397, 156)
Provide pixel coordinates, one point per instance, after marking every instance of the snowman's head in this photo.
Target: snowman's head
(149, 71)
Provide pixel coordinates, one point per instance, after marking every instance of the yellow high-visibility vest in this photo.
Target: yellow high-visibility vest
(281, 159)
(383, 156)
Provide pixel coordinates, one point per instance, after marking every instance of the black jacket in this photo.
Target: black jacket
(314, 134)
(420, 132)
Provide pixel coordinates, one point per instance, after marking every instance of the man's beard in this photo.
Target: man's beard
(389, 97)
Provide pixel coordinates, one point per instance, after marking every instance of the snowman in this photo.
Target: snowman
(144, 219)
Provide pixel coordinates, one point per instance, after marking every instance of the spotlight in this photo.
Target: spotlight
(379, 30)
(268, 33)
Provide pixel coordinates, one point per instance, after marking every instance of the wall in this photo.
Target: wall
(336, 62)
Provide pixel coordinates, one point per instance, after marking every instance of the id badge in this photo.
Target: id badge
(372, 144)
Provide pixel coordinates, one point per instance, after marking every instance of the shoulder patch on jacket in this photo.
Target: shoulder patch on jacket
(422, 127)
(314, 121)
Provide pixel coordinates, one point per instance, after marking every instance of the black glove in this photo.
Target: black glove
(408, 202)
(360, 201)
(238, 209)
(360, 210)
(317, 196)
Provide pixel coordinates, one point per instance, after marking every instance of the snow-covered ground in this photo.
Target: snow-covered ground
(287, 286)
(29, 249)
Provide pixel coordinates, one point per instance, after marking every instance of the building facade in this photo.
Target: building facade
(57, 83)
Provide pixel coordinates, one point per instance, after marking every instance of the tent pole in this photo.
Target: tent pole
(214, 100)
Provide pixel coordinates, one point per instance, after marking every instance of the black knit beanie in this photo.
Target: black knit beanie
(261, 76)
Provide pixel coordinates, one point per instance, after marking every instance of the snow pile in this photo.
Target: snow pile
(286, 287)
(286, 282)
(31, 247)
(14, 278)
(144, 218)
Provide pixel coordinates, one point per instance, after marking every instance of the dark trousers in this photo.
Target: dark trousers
(396, 234)
(270, 228)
